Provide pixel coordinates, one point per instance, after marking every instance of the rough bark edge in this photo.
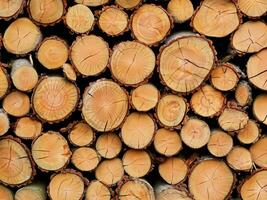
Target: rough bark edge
(166, 35)
(8, 90)
(130, 9)
(112, 193)
(58, 120)
(249, 17)
(15, 15)
(210, 43)
(259, 135)
(249, 99)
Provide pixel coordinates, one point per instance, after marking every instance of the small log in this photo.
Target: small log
(170, 192)
(16, 165)
(4, 122)
(11, 9)
(50, 151)
(252, 8)
(81, 134)
(92, 3)
(79, 19)
(16, 104)
(110, 172)
(150, 24)
(195, 133)
(6, 193)
(36, 191)
(97, 190)
(108, 145)
(4, 82)
(89, 61)
(67, 185)
(258, 152)
(207, 101)
(243, 94)
(250, 133)
(52, 52)
(54, 98)
(24, 76)
(45, 12)
(181, 10)
(85, 159)
(28, 128)
(132, 63)
(22, 36)
(211, 172)
(145, 97)
(69, 72)
(108, 97)
(138, 130)
(136, 163)
(126, 4)
(212, 15)
(113, 21)
(220, 143)
(185, 62)
(173, 170)
(259, 108)
(250, 37)
(257, 69)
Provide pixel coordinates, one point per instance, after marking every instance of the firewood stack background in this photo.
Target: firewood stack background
(133, 99)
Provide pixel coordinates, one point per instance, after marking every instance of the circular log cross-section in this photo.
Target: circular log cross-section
(36, 191)
(113, 21)
(28, 128)
(4, 82)
(4, 122)
(22, 36)
(181, 10)
(252, 8)
(259, 152)
(126, 4)
(150, 24)
(250, 133)
(216, 18)
(81, 134)
(105, 105)
(243, 94)
(97, 191)
(138, 130)
(89, 61)
(69, 72)
(10, 8)
(132, 62)
(211, 179)
(5, 193)
(186, 62)
(92, 3)
(260, 109)
(50, 151)
(16, 166)
(46, 12)
(54, 98)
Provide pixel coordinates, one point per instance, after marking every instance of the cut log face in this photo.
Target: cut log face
(66, 185)
(257, 69)
(207, 101)
(136, 189)
(233, 119)
(53, 52)
(253, 187)
(150, 24)
(69, 72)
(260, 109)
(97, 190)
(113, 21)
(85, 159)
(211, 179)
(46, 12)
(138, 130)
(5, 193)
(89, 61)
(28, 128)
(252, 8)
(181, 10)
(173, 170)
(167, 142)
(172, 193)
(132, 62)
(79, 18)
(50, 151)
(171, 110)
(105, 105)
(10, 8)
(54, 98)
(22, 36)
(259, 152)
(128, 4)
(16, 104)
(239, 159)
(220, 143)
(4, 83)
(243, 94)
(81, 135)
(212, 15)
(250, 37)
(136, 163)
(186, 62)
(36, 191)
(16, 167)
(4, 122)
(92, 3)
(195, 133)
(110, 172)
(250, 133)
(108, 145)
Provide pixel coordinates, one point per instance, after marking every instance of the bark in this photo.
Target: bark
(28, 128)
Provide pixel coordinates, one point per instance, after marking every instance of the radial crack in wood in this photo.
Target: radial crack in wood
(97, 191)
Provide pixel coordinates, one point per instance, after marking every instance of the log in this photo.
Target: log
(97, 190)
(36, 191)
(4, 82)
(252, 8)
(243, 94)
(4, 122)
(11, 9)
(258, 152)
(165, 191)
(5, 193)
(181, 10)
(28, 128)
(69, 72)
(250, 133)
(259, 108)
(92, 3)
(128, 4)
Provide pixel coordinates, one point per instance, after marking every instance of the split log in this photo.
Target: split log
(81, 135)
(4, 122)
(92, 3)
(185, 62)
(138, 130)
(258, 152)
(181, 10)
(150, 24)
(28, 128)
(69, 72)
(108, 145)
(259, 108)
(212, 15)
(5, 193)
(113, 21)
(167, 142)
(108, 96)
(97, 190)
(50, 151)
(11, 8)
(36, 191)
(165, 191)
(243, 94)
(132, 63)
(252, 8)
(4, 82)
(250, 133)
